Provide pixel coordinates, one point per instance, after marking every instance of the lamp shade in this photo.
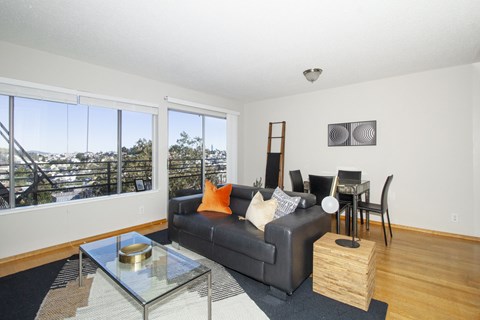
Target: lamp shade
(312, 74)
(330, 204)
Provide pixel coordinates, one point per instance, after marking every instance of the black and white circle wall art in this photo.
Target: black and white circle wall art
(338, 134)
(362, 133)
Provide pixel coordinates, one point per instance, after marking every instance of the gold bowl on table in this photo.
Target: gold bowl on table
(135, 253)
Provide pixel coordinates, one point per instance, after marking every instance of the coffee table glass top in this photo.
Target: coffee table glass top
(146, 281)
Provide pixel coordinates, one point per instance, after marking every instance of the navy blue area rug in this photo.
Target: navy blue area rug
(306, 304)
(21, 295)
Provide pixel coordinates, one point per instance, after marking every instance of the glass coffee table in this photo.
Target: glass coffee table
(150, 281)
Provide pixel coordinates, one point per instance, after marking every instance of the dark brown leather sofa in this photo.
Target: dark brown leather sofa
(280, 257)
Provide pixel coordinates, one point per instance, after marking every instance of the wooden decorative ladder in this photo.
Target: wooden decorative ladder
(274, 173)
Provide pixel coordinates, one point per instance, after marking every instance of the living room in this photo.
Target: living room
(426, 104)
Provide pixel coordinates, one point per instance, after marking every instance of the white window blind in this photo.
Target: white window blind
(198, 108)
(118, 104)
(25, 89)
(38, 93)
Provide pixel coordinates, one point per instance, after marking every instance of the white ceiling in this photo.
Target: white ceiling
(251, 49)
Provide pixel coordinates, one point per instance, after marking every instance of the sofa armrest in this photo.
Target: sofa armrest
(186, 204)
(293, 236)
(181, 205)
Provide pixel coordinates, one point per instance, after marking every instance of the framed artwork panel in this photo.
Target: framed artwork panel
(139, 185)
(362, 133)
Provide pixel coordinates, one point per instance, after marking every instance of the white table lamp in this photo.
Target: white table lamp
(330, 205)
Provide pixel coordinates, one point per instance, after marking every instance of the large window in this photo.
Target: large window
(68, 151)
(197, 151)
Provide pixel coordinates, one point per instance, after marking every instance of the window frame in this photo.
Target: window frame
(203, 116)
(232, 117)
(21, 89)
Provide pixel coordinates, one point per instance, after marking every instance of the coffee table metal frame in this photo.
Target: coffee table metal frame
(206, 272)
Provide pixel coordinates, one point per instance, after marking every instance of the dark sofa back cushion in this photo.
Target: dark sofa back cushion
(240, 198)
(239, 206)
(242, 195)
(243, 192)
(306, 199)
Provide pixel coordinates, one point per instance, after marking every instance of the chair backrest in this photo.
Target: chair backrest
(297, 181)
(350, 175)
(322, 186)
(386, 186)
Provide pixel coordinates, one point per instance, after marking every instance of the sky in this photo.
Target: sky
(215, 129)
(60, 128)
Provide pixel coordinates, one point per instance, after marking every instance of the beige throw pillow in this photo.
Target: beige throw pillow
(261, 212)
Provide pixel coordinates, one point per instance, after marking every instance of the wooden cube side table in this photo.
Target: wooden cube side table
(344, 274)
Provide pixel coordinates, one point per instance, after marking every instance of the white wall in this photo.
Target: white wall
(425, 138)
(476, 145)
(24, 230)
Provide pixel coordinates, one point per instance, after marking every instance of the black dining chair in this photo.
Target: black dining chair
(350, 175)
(345, 199)
(297, 181)
(324, 186)
(379, 209)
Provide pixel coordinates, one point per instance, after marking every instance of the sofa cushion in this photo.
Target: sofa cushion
(201, 224)
(307, 200)
(286, 204)
(241, 236)
(214, 199)
(261, 212)
(240, 198)
(243, 192)
(239, 206)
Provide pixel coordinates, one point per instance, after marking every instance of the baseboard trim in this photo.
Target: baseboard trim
(434, 232)
(428, 231)
(78, 242)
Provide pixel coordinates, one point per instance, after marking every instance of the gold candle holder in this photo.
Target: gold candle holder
(135, 253)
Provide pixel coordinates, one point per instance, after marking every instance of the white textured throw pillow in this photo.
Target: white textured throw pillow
(286, 204)
(261, 212)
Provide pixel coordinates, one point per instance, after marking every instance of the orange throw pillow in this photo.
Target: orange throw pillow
(214, 199)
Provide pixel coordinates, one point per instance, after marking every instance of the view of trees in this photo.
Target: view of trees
(62, 177)
(84, 175)
(185, 165)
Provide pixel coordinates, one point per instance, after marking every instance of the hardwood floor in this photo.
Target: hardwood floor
(419, 275)
(426, 276)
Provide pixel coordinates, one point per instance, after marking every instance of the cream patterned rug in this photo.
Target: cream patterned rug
(101, 298)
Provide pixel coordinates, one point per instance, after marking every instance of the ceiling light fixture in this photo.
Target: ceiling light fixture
(312, 74)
